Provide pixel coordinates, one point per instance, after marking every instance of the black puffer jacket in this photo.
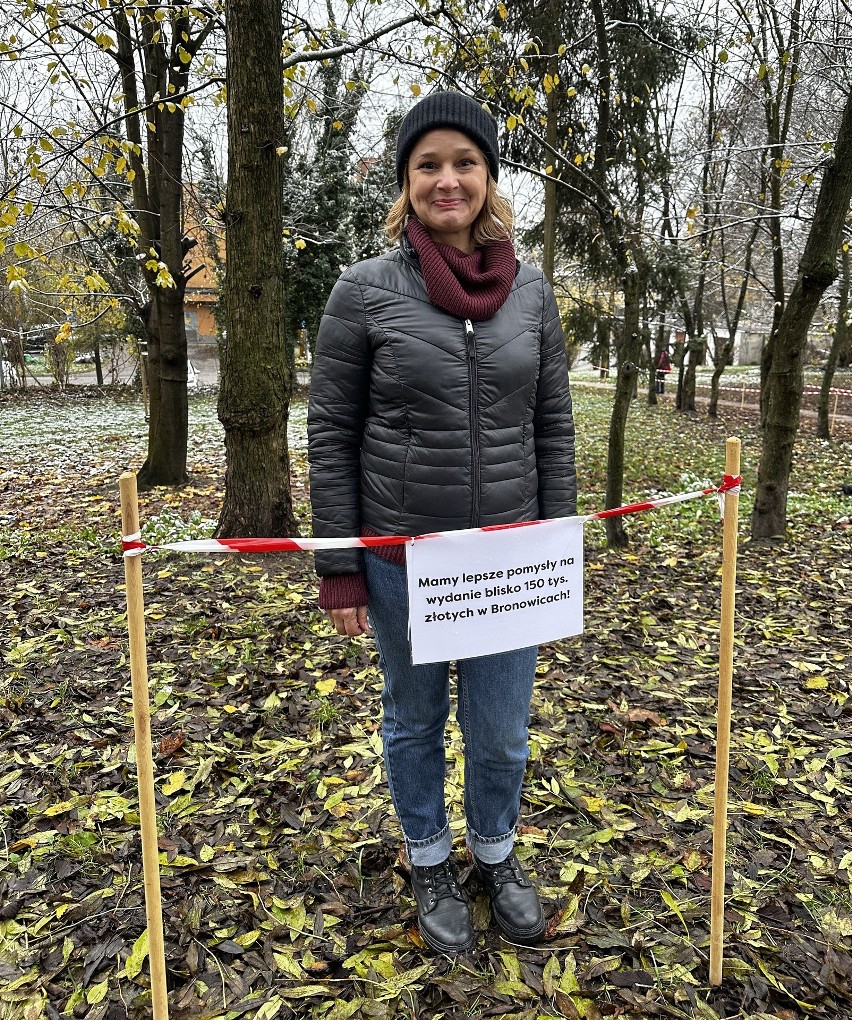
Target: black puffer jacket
(423, 422)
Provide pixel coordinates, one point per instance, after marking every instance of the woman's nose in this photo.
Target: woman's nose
(448, 179)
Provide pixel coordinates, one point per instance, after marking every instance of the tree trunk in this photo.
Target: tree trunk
(652, 371)
(602, 335)
(628, 359)
(660, 344)
(624, 250)
(713, 405)
(721, 353)
(150, 320)
(778, 283)
(817, 271)
(692, 356)
(17, 358)
(168, 426)
(99, 370)
(256, 380)
(168, 423)
(163, 58)
(679, 360)
(838, 342)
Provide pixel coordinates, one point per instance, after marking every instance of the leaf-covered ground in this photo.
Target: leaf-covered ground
(283, 890)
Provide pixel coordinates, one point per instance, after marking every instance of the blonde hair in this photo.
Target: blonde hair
(494, 222)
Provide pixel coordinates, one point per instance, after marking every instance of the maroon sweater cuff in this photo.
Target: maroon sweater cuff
(343, 591)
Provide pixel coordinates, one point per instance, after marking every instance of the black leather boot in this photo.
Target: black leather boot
(442, 910)
(514, 901)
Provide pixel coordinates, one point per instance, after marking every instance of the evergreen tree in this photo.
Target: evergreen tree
(318, 197)
(374, 188)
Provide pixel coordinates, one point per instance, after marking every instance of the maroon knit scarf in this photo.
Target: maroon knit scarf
(468, 286)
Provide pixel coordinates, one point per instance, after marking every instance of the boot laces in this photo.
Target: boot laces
(443, 882)
(506, 871)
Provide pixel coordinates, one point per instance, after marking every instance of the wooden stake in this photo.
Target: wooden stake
(723, 723)
(144, 759)
(833, 415)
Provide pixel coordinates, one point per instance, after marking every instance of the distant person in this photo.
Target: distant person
(439, 402)
(664, 366)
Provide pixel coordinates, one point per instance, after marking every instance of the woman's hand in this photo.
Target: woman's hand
(350, 621)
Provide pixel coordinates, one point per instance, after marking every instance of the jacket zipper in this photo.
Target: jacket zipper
(476, 483)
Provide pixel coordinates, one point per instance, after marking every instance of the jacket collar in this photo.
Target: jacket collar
(408, 252)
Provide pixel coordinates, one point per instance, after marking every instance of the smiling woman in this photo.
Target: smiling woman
(448, 181)
(439, 401)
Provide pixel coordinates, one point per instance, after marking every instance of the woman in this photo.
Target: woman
(439, 401)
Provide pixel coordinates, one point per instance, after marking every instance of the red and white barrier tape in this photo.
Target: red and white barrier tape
(737, 387)
(730, 483)
(133, 545)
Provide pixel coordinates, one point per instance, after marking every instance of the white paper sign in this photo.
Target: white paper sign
(478, 592)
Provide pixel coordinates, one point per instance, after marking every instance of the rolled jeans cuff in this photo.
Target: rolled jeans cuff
(426, 853)
(490, 849)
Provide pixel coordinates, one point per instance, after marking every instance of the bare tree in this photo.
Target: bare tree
(783, 391)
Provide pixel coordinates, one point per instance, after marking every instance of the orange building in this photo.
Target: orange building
(202, 289)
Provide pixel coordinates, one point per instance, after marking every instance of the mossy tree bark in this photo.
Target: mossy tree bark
(256, 382)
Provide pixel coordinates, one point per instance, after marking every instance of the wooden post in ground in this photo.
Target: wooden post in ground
(723, 723)
(144, 758)
(833, 415)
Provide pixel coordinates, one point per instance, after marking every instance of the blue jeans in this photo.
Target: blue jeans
(494, 693)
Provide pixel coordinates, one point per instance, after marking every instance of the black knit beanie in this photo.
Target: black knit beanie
(448, 110)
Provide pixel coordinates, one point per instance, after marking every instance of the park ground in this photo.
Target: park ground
(284, 893)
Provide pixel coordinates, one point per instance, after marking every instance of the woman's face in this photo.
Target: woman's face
(448, 182)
